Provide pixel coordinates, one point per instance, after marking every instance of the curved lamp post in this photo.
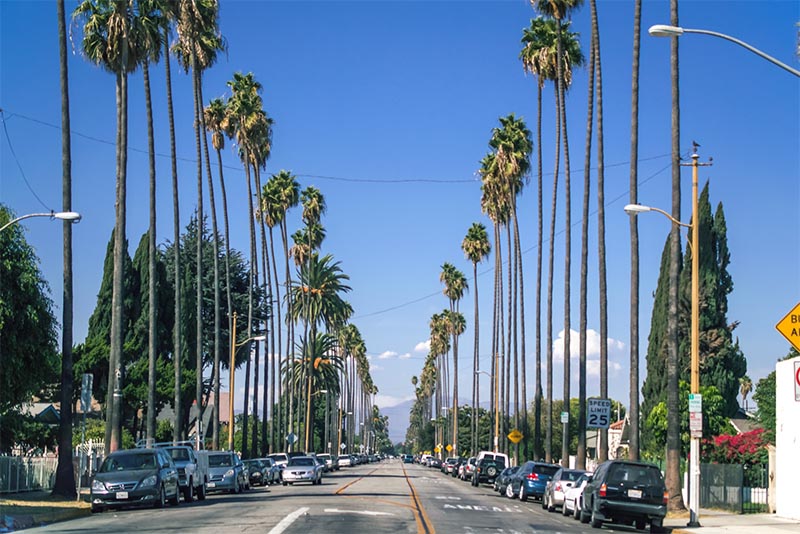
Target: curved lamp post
(63, 215)
(665, 30)
(232, 368)
(496, 408)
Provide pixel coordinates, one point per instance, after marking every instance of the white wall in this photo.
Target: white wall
(787, 441)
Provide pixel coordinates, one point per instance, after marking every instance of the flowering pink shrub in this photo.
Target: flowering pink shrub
(747, 448)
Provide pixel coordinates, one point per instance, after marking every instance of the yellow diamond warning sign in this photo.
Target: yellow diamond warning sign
(789, 326)
(515, 436)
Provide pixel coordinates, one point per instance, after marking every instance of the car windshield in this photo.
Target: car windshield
(219, 460)
(305, 462)
(128, 462)
(179, 454)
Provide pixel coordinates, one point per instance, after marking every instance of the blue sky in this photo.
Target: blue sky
(387, 108)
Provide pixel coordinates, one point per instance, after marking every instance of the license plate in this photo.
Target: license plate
(635, 494)
(211, 484)
(122, 495)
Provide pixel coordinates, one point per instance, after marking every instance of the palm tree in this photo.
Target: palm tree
(476, 247)
(151, 20)
(539, 58)
(198, 43)
(65, 472)
(745, 387)
(214, 119)
(633, 448)
(108, 41)
(455, 285)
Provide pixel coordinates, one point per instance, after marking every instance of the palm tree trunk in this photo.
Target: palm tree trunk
(633, 447)
(232, 342)
(495, 339)
(65, 473)
(517, 247)
(152, 312)
(567, 253)
(509, 343)
(513, 298)
(601, 231)
(250, 288)
(672, 477)
(199, 258)
(551, 257)
(276, 428)
(537, 395)
(176, 222)
(475, 363)
(587, 162)
(290, 331)
(217, 293)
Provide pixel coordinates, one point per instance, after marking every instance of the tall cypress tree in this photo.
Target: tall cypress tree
(721, 360)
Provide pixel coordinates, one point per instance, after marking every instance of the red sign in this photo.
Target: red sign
(797, 380)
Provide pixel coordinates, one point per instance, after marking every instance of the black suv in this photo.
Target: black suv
(631, 493)
(487, 469)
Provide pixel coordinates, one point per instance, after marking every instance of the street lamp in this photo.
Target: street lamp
(665, 30)
(63, 215)
(694, 451)
(234, 346)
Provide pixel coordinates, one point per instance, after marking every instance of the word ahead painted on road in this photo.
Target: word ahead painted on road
(481, 508)
(598, 413)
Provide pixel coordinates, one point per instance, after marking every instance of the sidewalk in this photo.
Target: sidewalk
(717, 522)
(25, 510)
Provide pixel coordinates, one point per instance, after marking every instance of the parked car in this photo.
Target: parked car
(558, 485)
(631, 493)
(487, 469)
(192, 470)
(493, 455)
(449, 464)
(346, 461)
(467, 469)
(262, 471)
(435, 463)
(135, 477)
(530, 480)
(331, 462)
(302, 469)
(408, 459)
(279, 458)
(574, 496)
(226, 472)
(501, 482)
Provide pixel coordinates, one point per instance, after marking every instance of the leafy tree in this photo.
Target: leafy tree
(655, 384)
(722, 363)
(765, 398)
(28, 351)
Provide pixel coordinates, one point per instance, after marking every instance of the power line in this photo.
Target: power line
(19, 165)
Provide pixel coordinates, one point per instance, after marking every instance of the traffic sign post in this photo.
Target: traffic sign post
(789, 326)
(343, 446)
(565, 417)
(292, 437)
(598, 413)
(695, 415)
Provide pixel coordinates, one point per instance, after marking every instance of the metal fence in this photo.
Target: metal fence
(737, 488)
(19, 474)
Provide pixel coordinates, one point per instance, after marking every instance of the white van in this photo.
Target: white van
(493, 455)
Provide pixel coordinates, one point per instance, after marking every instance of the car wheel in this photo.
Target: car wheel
(285, 483)
(656, 526)
(544, 501)
(640, 524)
(576, 510)
(491, 471)
(236, 488)
(176, 500)
(596, 523)
(96, 508)
(201, 493)
(564, 510)
(474, 482)
(584, 516)
(509, 492)
(161, 500)
(550, 507)
(188, 493)
(522, 495)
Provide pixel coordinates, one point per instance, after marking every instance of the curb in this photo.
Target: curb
(10, 523)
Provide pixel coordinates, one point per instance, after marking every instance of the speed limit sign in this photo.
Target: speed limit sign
(598, 414)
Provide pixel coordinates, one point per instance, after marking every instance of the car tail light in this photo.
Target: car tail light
(558, 486)
(533, 476)
(602, 492)
(666, 497)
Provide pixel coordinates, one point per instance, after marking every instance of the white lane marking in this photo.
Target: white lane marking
(447, 498)
(362, 512)
(482, 508)
(288, 520)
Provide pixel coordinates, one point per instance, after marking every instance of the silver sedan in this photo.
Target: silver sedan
(302, 469)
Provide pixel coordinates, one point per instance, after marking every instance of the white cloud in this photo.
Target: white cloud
(387, 354)
(373, 367)
(423, 346)
(387, 401)
(405, 356)
(593, 368)
(592, 344)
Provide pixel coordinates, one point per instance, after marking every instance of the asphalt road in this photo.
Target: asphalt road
(387, 497)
